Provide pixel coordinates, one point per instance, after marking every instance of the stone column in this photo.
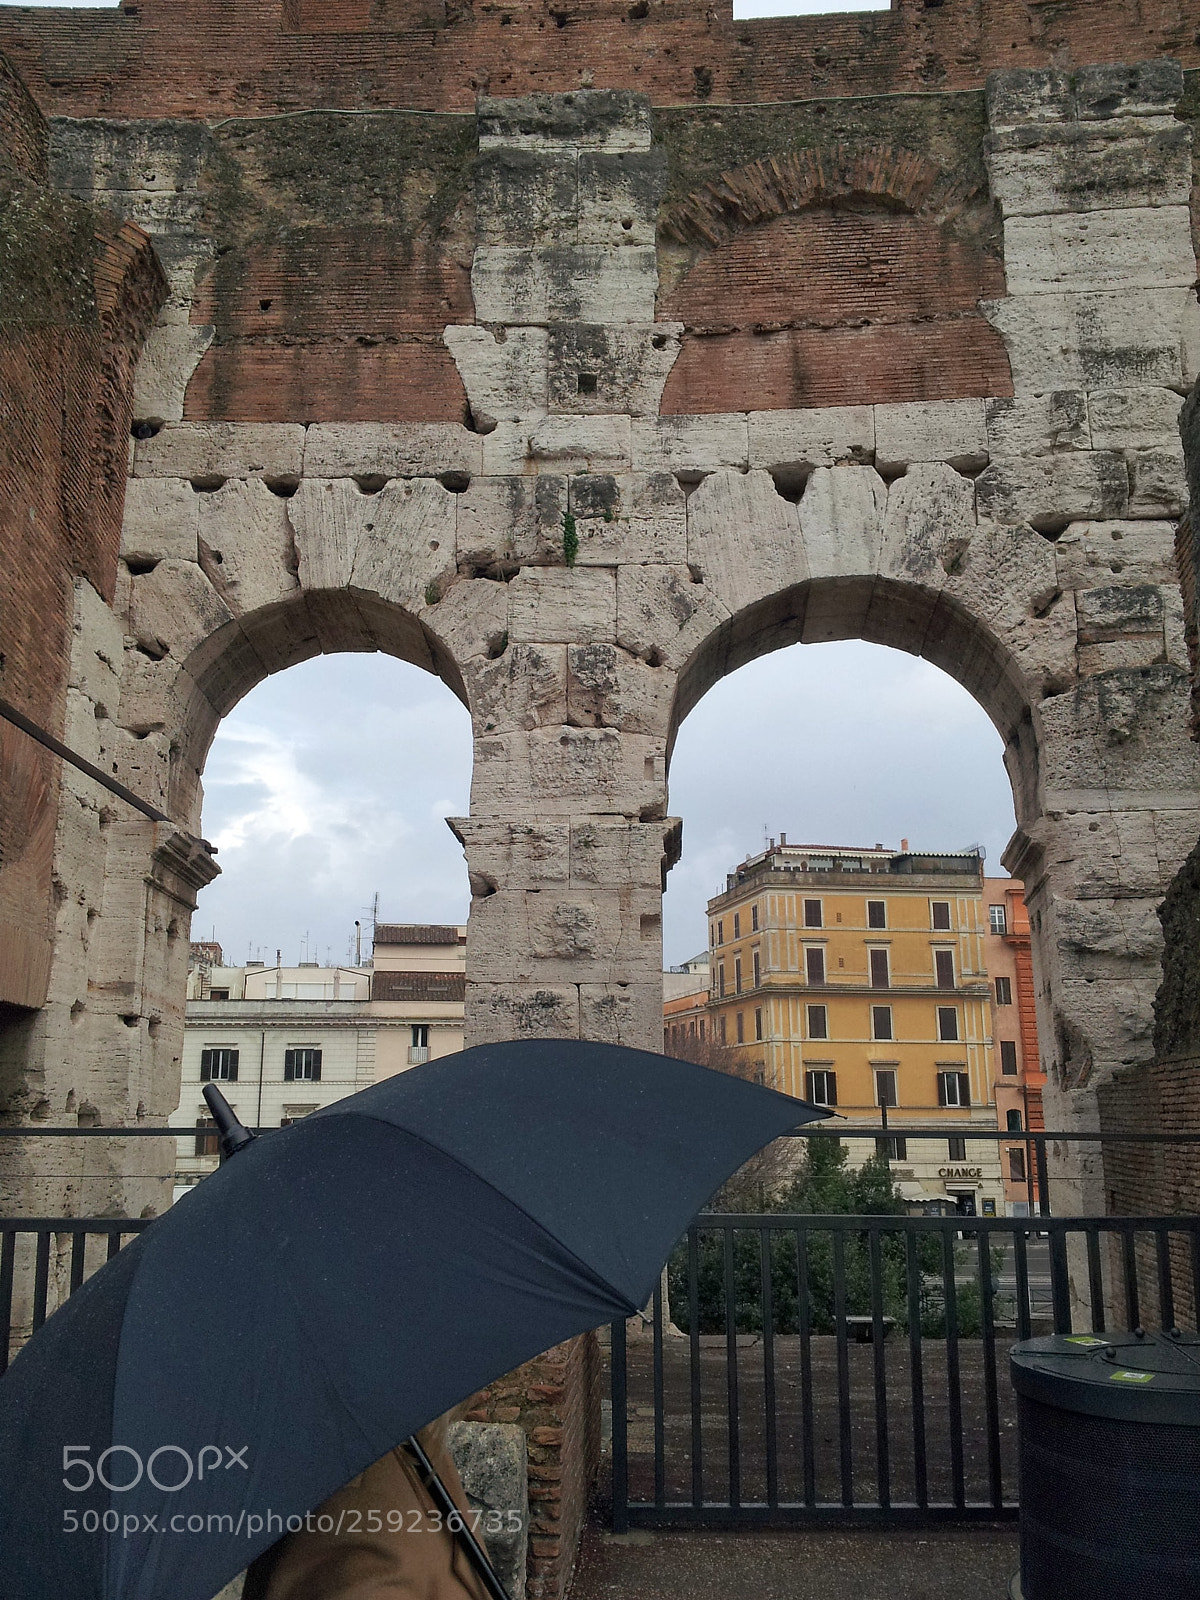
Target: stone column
(1093, 175)
(567, 840)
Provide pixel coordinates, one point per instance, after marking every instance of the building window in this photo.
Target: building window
(891, 1149)
(737, 975)
(947, 1023)
(822, 1086)
(218, 994)
(1012, 1121)
(753, 919)
(818, 1022)
(302, 1065)
(757, 970)
(814, 964)
(721, 978)
(876, 913)
(885, 1086)
(720, 933)
(880, 977)
(218, 1066)
(881, 1022)
(737, 925)
(954, 1089)
(940, 910)
(721, 1026)
(702, 1027)
(812, 914)
(207, 1144)
(1008, 1057)
(758, 1022)
(1004, 991)
(741, 1027)
(997, 919)
(420, 1036)
(1016, 1165)
(943, 965)
(956, 1149)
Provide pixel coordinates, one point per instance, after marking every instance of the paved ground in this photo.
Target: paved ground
(930, 1564)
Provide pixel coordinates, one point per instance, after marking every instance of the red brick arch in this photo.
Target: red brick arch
(831, 277)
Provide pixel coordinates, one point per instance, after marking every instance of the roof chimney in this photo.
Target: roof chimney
(782, 840)
(904, 844)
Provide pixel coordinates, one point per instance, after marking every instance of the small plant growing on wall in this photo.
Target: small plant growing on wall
(570, 539)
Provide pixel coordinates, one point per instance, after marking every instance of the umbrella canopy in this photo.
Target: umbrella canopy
(337, 1286)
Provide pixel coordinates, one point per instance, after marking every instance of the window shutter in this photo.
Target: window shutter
(289, 1066)
(234, 1057)
(316, 1066)
(831, 1087)
(964, 1089)
(206, 1061)
(941, 1088)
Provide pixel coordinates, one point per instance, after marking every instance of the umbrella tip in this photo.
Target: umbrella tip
(234, 1135)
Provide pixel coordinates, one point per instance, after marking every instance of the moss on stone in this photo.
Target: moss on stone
(47, 256)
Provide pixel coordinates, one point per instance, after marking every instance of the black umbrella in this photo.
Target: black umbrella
(337, 1286)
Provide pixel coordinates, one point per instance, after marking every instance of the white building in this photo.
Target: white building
(281, 1042)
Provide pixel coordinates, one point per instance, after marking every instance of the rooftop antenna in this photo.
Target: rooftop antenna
(357, 943)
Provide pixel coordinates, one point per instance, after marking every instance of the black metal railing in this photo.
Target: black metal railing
(851, 1368)
(50, 1257)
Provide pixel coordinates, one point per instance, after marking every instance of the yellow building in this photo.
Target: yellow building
(857, 979)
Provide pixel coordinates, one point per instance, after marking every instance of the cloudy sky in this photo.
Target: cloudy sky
(331, 782)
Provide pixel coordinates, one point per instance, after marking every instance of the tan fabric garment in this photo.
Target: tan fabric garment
(423, 1562)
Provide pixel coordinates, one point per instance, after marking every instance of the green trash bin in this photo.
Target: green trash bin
(1109, 1460)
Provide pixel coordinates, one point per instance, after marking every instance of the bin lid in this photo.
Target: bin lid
(1129, 1377)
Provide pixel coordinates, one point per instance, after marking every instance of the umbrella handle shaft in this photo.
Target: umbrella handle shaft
(455, 1520)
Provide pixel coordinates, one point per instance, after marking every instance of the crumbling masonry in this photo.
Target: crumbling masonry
(579, 356)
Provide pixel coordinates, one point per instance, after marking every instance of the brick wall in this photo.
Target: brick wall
(556, 1399)
(78, 292)
(220, 58)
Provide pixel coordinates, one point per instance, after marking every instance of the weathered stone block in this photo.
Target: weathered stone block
(582, 444)
(931, 430)
(634, 517)
(1128, 89)
(470, 618)
(525, 195)
(168, 360)
(390, 450)
(1141, 552)
(174, 609)
(690, 446)
(398, 543)
(498, 1012)
(841, 519)
(97, 650)
(665, 614)
(611, 369)
(1118, 610)
(562, 772)
(1134, 419)
(1091, 166)
(603, 852)
(607, 687)
(513, 855)
(1095, 341)
(596, 119)
(568, 605)
(1157, 482)
(623, 1013)
(564, 283)
(1095, 251)
(1020, 95)
(1119, 731)
(1048, 492)
(491, 1462)
(247, 549)
(504, 371)
(792, 444)
(744, 538)
(162, 518)
(524, 687)
(221, 449)
(619, 196)
(929, 523)
(1038, 424)
(511, 521)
